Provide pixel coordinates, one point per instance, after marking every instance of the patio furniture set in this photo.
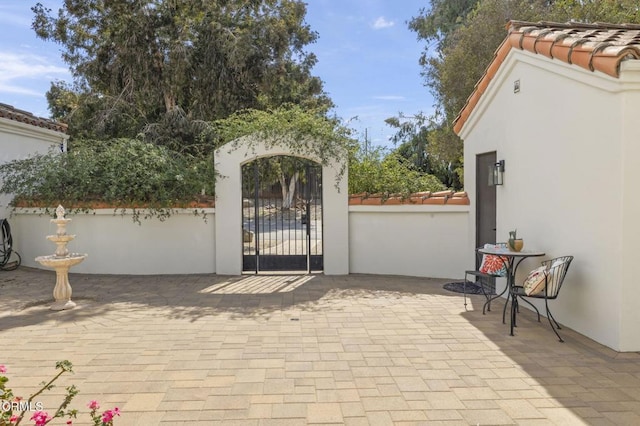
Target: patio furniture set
(543, 282)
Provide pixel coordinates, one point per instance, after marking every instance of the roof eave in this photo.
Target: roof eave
(561, 42)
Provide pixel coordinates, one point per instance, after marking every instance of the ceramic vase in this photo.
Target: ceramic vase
(516, 244)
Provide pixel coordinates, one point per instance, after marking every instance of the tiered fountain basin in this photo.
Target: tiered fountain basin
(53, 261)
(61, 261)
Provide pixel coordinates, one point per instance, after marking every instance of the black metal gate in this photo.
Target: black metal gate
(282, 215)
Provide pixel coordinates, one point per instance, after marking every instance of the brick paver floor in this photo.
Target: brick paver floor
(295, 350)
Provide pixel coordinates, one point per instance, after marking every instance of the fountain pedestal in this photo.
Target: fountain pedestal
(61, 261)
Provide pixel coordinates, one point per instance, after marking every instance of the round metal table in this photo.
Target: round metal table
(511, 260)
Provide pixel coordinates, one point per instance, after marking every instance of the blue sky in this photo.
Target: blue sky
(367, 58)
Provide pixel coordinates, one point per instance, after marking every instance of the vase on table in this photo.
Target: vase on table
(516, 244)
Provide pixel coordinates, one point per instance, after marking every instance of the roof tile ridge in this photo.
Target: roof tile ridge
(482, 84)
(542, 44)
(21, 116)
(576, 43)
(610, 64)
(599, 47)
(575, 25)
(557, 42)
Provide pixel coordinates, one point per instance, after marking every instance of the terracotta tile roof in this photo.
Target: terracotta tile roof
(11, 113)
(427, 197)
(595, 47)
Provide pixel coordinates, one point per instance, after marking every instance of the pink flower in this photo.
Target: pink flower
(93, 404)
(108, 415)
(41, 418)
(13, 419)
(3, 368)
(69, 422)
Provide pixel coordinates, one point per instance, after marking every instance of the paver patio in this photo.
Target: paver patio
(258, 350)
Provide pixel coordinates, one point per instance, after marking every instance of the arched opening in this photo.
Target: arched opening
(229, 235)
(282, 215)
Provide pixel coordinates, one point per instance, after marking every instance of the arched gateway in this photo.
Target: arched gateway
(234, 222)
(282, 215)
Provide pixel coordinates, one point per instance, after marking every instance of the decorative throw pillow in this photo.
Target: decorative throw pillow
(555, 265)
(492, 264)
(535, 282)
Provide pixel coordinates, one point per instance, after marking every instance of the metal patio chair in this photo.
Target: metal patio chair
(556, 270)
(486, 281)
(6, 248)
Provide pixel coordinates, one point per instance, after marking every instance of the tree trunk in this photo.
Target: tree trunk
(288, 191)
(169, 101)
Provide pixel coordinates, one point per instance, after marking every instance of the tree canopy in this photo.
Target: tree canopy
(135, 61)
(415, 139)
(375, 172)
(158, 85)
(440, 20)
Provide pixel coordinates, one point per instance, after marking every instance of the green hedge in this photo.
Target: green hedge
(121, 172)
(374, 172)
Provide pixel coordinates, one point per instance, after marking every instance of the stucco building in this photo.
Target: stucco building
(560, 105)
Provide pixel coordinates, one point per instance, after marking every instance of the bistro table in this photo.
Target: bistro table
(511, 260)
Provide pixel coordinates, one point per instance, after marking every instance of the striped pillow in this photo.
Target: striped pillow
(535, 282)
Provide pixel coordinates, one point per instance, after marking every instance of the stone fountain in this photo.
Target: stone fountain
(61, 261)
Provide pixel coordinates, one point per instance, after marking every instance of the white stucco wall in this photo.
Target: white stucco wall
(410, 240)
(182, 244)
(229, 161)
(19, 140)
(422, 241)
(568, 183)
(630, 223)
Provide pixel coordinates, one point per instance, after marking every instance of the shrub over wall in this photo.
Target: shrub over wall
(374, 173)
(119, 172)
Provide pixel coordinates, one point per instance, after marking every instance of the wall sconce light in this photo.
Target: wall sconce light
(496, 173)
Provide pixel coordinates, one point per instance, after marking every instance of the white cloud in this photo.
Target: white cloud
(381, 23)
(16, 68)
(18, 90)
(15, 65)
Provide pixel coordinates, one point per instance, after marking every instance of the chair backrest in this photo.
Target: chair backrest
(557, 268)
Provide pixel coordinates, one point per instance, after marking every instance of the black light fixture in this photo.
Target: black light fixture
(496, 173)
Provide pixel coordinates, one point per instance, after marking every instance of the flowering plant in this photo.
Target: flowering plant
(105, 418)
(14, 408)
